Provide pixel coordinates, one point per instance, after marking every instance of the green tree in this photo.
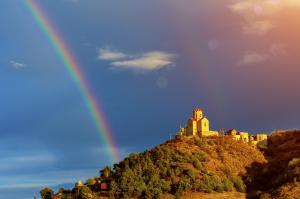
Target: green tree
(46, 193)
(157, 186)
(228, 185)
(113, 189)
(238, 184)
(106, 172)
(91, 181)
(197, 164)
(85, 193)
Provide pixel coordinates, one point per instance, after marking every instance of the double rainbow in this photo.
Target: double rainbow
(74, 69)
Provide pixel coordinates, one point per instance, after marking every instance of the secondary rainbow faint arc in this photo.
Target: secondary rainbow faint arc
(75, 71)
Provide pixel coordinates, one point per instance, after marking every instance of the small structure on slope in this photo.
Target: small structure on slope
(256, 140)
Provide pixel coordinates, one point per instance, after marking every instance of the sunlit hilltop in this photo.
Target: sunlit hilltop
(85, 83)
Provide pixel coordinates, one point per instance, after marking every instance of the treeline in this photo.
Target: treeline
(168, 168)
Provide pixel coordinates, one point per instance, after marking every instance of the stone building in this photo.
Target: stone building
(258, 139)
(244, 136)
(261, 139)
(198, 124)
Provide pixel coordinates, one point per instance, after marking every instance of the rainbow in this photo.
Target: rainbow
(74, 69)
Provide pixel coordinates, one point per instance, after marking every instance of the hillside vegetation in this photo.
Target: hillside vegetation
(216, 167)
(280, 176)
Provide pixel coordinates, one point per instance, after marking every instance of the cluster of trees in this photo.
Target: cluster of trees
(46, 193)
(167, 170)
(84, 192)
(164, 169)
(283, 165)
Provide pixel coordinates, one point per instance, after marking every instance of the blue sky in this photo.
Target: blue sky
(150, 63)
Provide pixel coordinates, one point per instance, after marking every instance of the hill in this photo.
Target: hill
(178, 166)
(280, 176)
(215, 167)
(196, 164)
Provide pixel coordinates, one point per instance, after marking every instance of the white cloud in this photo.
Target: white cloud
(284, 2)
(149, 61)
(253, 12)
(252, 57)
(241, 6)
(17, 65)
(258, 27)
(106, 54)
(262, 7)
(146, 62)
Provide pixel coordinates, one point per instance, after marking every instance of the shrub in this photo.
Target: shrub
(113, 189)
(106, 172)
(228, 185)
(238, 184)
(156, 187)
(201, 142)
(67, 196)
(91, 181)
(197, 164)
(178, 194)
(210, 142)
(200, 156)
(209, 184)
(294, 162)
(179, 138)
(85, 193)
(202, 185)
(190, 174)
(46, 193)
(184, 185)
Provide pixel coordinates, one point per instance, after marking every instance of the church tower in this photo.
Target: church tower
(191, 128)
(197, 114)
(198, 125)
(203, 127)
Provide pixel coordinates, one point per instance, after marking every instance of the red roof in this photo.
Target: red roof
(104, 186)
(56, 197)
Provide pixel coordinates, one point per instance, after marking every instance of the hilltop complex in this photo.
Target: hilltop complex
(198, 125)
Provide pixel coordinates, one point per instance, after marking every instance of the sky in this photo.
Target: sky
(148, 64)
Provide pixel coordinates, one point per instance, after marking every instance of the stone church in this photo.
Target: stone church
(198, 124)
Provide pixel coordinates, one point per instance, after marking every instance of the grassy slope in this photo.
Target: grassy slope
(205, 165)
(225, 156)
(211, 168)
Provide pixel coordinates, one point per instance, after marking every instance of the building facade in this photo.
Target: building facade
(258, 139)
(197, 125)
